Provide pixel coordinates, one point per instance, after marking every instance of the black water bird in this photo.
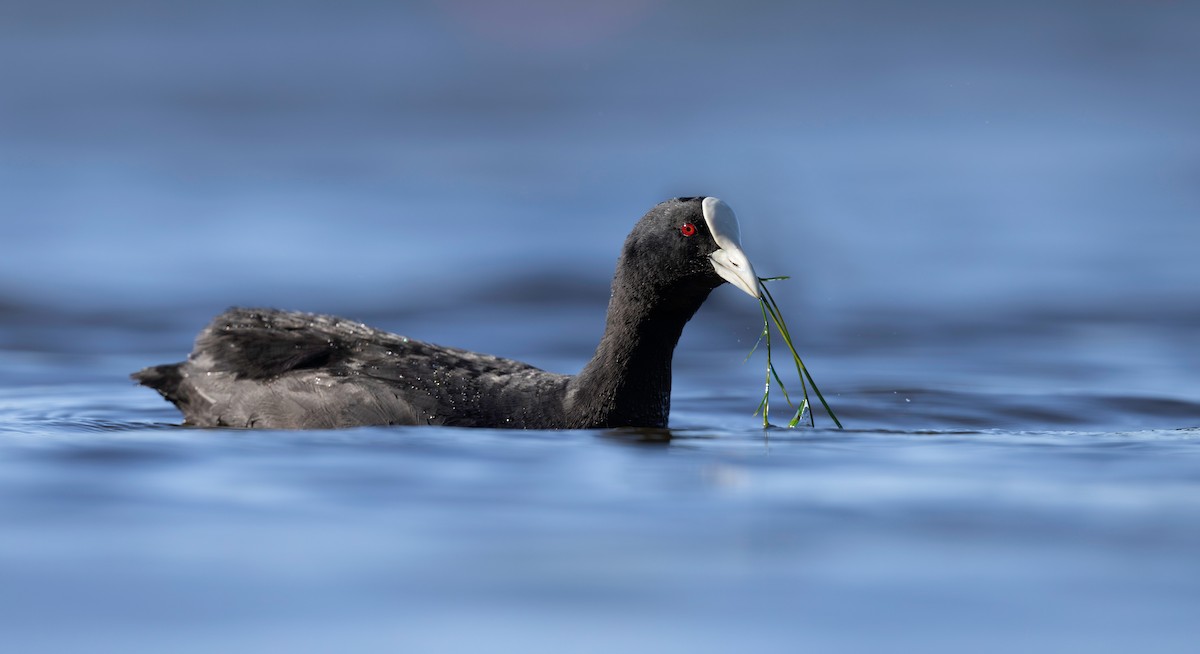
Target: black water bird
(289, 370)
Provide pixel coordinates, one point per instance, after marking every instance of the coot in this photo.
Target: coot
(288, 370)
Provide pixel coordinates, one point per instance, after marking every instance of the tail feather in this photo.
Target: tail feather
(166, 379)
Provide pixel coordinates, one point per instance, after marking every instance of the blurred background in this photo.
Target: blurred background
(990, 211)
(930, 157)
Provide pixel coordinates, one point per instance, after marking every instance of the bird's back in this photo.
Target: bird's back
(277, 369)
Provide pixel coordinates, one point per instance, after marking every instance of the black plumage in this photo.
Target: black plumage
(276, 369)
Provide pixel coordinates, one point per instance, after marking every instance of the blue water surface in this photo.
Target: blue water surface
(989, 211)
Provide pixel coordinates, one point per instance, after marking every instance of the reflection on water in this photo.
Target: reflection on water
(988, 213)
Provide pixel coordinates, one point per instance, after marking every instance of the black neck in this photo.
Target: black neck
(628, 380)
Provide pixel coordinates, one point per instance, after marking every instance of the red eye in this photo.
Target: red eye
(688, 229)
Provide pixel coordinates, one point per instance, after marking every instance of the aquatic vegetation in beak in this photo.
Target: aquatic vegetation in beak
(771, 314)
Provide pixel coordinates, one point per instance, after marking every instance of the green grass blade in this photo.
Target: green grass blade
(799, 415)
(779, 381)
(821, 397)
(765, 405)
(772, 314)
(756, 344)
(803, 369)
